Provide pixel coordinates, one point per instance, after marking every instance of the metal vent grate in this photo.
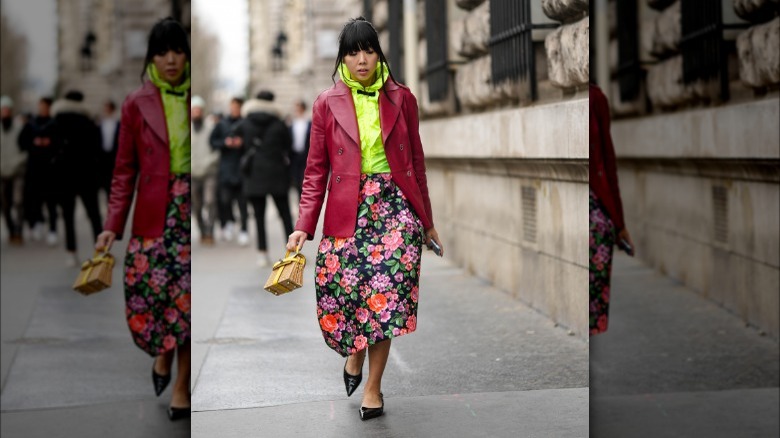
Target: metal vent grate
(720, 208)
(529, 213)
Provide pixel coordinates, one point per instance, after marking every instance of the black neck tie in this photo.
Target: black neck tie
(175, 93)
(367, 93)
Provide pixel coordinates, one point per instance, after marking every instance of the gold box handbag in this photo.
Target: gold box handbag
(287, 274)
(95, 274)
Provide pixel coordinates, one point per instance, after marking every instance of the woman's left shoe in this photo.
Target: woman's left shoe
(351, 382)
(178, 413)
(160, 382)
(369, 413)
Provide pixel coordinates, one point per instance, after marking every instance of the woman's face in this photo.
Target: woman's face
(362, 65)
(170, 65)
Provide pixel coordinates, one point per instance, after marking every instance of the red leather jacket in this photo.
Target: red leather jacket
(603, 169)
(143, 157)
(335, 149)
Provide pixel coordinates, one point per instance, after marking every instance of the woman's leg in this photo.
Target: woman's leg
(258, 205)
(377, 359)
(163, 363)
(181, 388)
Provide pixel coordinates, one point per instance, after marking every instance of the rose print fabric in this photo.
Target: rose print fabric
(602, 240)
(367, 284)
(157, 277)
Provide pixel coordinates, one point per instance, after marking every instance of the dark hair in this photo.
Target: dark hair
(110, 103)
(301, 104)
(74, 95)
(356, 35)
(167, 34)
(47, 100)
(237, 100)
(265, 95)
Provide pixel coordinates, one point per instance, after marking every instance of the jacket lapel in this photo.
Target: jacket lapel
(388, 111)
(151, 106)
(343, 108)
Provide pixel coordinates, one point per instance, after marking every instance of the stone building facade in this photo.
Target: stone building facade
(698, 145)
(118, 31)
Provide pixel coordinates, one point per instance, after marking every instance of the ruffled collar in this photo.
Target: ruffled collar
(160, 83)
(382, 73)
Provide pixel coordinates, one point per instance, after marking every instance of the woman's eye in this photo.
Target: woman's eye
(352, 53)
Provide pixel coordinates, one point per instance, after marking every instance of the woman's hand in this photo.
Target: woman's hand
(623, 234)
(105, 240)
(432, 234)
(296, 240)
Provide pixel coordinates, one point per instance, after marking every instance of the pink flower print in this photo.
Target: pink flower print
(393, 240)
(360, 342)
(134, 246)
(384, 316)
(332, 263)
(411, 323)
(415, 294)
(362, 222)
(325, 245)
(380, 282)
(370, 188)
(169, 342)
(171, 315)
(141, 263)
(180, 187)
(362, 315)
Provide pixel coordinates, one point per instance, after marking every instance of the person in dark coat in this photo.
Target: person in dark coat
(229, 175)
(267, 143)
(77, 151)
(36, 140)
(300, 130)
(109, 135)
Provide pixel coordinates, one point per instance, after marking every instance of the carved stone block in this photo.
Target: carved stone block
(567, 54)
(473, 86)
(565, 11)
(756, 10)
(667, 30)
(468, 4)
(474, 32)
(759, 54)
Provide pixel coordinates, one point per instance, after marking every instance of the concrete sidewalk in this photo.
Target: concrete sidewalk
(479, 364)
(69, 365)
(674, 364)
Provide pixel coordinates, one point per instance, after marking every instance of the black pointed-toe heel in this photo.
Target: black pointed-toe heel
(352, 382)
(178, 413)
(369, 413)
(160, 382)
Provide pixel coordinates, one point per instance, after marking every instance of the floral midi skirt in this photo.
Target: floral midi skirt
(367, 285)
(601, 244)
(157, 277)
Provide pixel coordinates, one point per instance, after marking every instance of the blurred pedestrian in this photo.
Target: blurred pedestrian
(606, 211)
(267, 146)
(77, 151)
(109, 133)
(204, 171)
(39, 184)
(365, 136)
(300, 130)
(229, 183)
(12, 168)
(154, 150)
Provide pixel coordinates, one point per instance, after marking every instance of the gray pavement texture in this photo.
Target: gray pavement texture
(69, 365)
(479, 364)
(674, 364)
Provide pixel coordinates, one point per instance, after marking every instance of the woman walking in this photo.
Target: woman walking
(365, 135)
(154, 149)
(606, 210)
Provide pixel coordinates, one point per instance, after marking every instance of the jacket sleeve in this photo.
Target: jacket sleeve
(418, 157)
(125, 171)
(315, 176)
(217, 138)
(610, 162)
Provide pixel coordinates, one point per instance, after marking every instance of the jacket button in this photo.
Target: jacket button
(402, 146)
(599, 173)
(341, 150)
(149, 151)
(408, 173)
(146, 178)
(338, 179)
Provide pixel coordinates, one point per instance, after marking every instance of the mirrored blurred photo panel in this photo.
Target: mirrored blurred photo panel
(684, 250)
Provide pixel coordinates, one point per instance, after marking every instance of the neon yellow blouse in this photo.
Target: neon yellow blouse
(176, 118)
(372, 150)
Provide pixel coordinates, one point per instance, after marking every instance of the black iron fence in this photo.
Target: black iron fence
(395, 27)
(437, 69)
(629, 70)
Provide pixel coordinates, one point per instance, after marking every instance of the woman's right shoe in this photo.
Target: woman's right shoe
(369, 413)
(178, 413)
(352, 382)
(160, 382)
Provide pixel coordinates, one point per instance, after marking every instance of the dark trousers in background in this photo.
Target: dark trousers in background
(12, 204)
(283, 205)
(204, 194)
(227, 194)
(67, 201)
(297, 168)
(35, 198)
